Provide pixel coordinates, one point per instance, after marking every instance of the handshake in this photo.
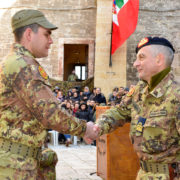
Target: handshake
(92, 132)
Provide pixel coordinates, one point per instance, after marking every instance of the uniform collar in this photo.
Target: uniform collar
(161, 88)
(19, 49)
(156, 79)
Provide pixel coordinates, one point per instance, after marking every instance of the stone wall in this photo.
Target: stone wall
(107, 77)
(75, 19)
(156, 18)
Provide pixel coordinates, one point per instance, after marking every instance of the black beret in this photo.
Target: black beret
(155, 41)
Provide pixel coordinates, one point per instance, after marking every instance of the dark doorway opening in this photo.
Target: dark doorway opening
(76, 58)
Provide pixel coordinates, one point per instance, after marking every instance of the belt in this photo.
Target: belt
(171, 169)
(155, 167)
(20, 149)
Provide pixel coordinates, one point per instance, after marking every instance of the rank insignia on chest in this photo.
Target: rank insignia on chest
(42, 72)
(140, 124)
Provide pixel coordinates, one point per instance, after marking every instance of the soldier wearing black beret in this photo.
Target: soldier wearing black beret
(154, 107)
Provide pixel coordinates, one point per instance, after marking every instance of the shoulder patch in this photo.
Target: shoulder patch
(42, 72)
(131, 92)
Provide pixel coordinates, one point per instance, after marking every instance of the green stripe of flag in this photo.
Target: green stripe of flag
(119, 3)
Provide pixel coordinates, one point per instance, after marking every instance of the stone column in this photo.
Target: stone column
(107, 77)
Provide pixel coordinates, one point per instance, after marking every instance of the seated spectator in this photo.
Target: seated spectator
(120, 94)
(76, 108)
(61, 138)
(126, 90)
(121, 89)
(56, 90)
(69, 95)
(83, 113)
(67, 137)
(73, 90)
(60, 96)
(99, 98)
(93, 94)
(72, 107)
(114, 89)
(67, 106)
(81, 95)
(86, 94)
(92, 110)
(113, 97)
(75, 97)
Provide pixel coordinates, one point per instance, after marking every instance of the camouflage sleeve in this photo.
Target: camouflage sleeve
(115, 117)
(177, 106)
(178, 118)
(33, 91)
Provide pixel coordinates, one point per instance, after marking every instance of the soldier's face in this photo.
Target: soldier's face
(145, 63)
(40, 42)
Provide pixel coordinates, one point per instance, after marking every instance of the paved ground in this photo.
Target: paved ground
(76, 162)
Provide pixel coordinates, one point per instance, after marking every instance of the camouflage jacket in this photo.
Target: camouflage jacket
(72, 77)
(155, 120)
(28, 106)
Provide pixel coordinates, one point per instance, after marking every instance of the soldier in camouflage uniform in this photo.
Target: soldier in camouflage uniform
(27, 104)
(72, 77)
(154, 107)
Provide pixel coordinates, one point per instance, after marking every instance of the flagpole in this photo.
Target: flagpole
(110, 59)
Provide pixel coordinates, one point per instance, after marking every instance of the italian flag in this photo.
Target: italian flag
(125, 16)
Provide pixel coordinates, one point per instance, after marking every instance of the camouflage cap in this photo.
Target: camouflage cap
(30, 16)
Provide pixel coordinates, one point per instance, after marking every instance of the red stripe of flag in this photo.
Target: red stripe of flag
(127, 19)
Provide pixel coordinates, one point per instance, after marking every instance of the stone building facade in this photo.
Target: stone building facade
(156, 18)
(78, 25)
(76, 21)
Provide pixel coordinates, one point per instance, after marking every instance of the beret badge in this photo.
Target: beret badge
(143, 41)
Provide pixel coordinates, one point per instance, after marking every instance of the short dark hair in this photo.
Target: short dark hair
(18, 33)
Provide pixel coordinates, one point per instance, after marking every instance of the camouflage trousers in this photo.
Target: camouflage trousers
(45, 171)
(142, 175)
(17, 174)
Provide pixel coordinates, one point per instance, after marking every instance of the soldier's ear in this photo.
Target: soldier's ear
(160, 59)
(28, 34)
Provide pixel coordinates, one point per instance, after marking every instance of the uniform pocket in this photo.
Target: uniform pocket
(157, 134)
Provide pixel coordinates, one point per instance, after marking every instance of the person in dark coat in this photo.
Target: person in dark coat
(92, 110)
(113, 97)
(93, 94)
(86, 94)
(99, 98)
(69, 95)
(75, 97)
(83, 113)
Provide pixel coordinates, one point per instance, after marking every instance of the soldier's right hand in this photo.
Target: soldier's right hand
(92, 132)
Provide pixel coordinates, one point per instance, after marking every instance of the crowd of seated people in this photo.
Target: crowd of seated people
(82, 104)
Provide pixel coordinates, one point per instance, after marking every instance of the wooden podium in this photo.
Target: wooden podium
(116, 159)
